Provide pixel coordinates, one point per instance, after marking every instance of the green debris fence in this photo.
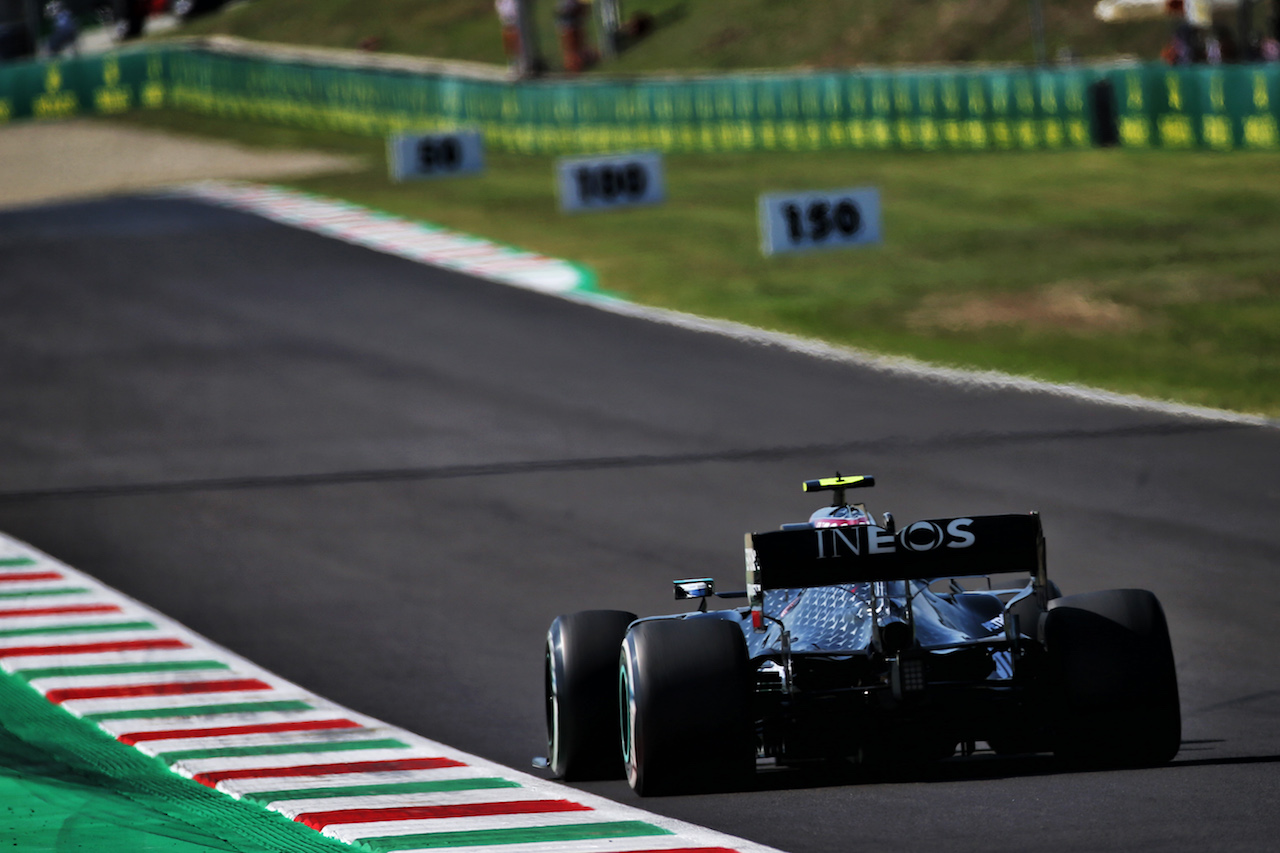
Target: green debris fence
(1136, 106)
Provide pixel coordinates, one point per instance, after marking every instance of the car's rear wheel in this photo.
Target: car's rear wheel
(582, 694)
(686, 706)
(1115, 688)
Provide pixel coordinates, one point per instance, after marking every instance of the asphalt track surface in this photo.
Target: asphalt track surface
(382, 480)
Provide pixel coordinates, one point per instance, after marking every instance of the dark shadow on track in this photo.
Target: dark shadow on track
(982, 767)
(1240, 760)
(972, 768)
(449, 472)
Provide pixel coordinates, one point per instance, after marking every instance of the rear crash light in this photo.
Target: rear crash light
(907, 676)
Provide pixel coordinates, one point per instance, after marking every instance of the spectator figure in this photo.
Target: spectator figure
(1227, 44)
(65, 33)
(1177, 51)
(1212, 50)
(1185, 45)
(130, 17)
(1270, 49)
(571, 22)
(509, 18)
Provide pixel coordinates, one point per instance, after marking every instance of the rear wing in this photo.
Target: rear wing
(935, 548)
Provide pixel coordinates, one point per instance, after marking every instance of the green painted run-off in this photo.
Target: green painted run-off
(119, 669)
(79, 629)
(521, 835)
(202, 710)
(280, 749)
(67, 786)
(442, 786)
(28, 593)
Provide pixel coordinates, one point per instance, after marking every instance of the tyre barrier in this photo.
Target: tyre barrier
(1137, 105)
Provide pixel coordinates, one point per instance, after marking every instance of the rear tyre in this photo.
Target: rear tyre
(686, 706)
(582, 694)
(1115, 689)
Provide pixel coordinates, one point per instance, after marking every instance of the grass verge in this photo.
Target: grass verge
(1154, 273)
(65, 785)
(711, 34)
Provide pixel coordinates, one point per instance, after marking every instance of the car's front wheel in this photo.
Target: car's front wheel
(582, 694)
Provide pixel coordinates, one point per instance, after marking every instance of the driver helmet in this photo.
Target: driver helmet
(840, 516)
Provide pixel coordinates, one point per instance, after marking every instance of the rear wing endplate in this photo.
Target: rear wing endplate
(934, 548)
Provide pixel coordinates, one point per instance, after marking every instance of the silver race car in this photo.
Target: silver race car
(866, 643)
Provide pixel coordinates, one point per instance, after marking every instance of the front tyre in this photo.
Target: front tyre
(582, 694)
(1114, 682)
(685, 689)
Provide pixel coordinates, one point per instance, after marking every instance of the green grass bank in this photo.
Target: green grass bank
(712, 34)
(1152, 273)
(67, 786)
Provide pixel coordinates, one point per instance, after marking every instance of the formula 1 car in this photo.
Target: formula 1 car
(859, 643)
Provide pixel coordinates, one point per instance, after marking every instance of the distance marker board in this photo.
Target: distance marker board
(605, 183)
(435, 155)
(829, 219)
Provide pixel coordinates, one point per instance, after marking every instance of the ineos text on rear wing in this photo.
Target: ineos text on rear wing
(934, 548)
